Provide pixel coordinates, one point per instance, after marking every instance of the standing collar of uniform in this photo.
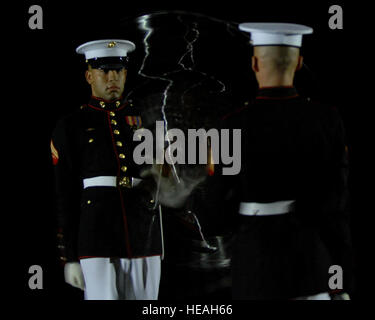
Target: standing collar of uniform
(274, 93)
(105, 105)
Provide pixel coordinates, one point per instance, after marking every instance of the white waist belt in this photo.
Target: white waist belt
(266, 209)
(106, 181)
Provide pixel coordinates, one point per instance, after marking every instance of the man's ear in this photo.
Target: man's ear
(88, 76)
(254, 64)
(299, 63)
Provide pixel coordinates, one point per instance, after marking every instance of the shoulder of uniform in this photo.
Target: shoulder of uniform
(326, 112)
(68, 119)
(323, 106)
(131, 109)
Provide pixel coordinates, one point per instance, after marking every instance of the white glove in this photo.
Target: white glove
(73, 275)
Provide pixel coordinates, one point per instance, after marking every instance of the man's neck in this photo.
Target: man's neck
(275, 81)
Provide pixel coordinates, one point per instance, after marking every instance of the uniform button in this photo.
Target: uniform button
(122, 156)
(91, 140)
(114, 122)
(119, 143)
(116, 132)
(124, 168)
(102, 104)
(88, 201)
(118, 104)
(112, 114)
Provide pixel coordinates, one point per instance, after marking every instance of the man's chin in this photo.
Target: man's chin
(113, 96)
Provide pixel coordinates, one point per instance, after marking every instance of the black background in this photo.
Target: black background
(46, 80)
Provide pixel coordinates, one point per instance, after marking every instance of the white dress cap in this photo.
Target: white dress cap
(269, 33)
(106, 48)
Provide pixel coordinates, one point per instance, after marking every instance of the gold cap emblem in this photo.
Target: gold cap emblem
(111, 44)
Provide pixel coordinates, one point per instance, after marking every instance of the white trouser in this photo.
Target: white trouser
(121, 279)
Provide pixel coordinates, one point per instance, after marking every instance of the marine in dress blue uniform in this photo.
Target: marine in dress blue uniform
(292, 188)
(107, 218)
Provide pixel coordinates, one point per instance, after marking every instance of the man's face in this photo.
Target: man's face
(106, 85)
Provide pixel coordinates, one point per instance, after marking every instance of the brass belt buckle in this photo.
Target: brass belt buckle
(126, 182)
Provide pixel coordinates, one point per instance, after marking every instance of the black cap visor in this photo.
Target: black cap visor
(109, 63)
